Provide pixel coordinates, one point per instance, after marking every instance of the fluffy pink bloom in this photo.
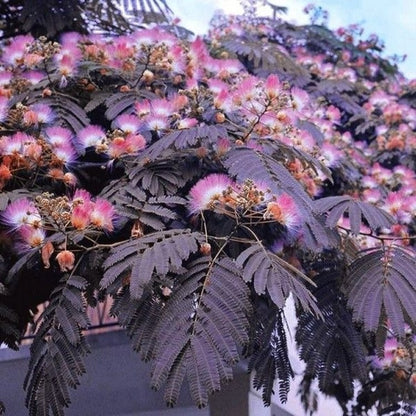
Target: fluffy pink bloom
(147, 37)
(33, 151)
(272, 86)
(21, 212)
(157, 123)
(208, 191)
(102, 215)
(247, 92)
(135, 143)
(81, 196)
(223, 146)
(161, 108)
(58, 136)
(31, 236)
(91, 136)
(70, 39)
(38, 114)
(34, 76)
(333, 114)
(80, 216)
(14, 53)
(66, 260)
(66, 62)
(142, 108)
(390, 347)
(216, 85)
(330, 154)
(119, 146)
(283, 210)
(186, 123)
(5, 77)
(177, 59)
(373, 195)
(223, 100)
(65, 153)
(128, 123)
(300, 99)
(223, 68)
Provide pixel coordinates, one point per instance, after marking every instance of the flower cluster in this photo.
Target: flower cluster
(24, 220)
(31, 221)
(250, 200)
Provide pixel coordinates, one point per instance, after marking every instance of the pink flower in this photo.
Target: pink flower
(31, 236)
(66, 62)
(5, 77)
(247, 92)
(44, 113)
(81, 196)
(300, 99)
(223, 146)
(13, 144)
(92, 136)
(21, 212)
(208, 191)
(330, 154)
(80, 216)
(147, 37)
(66, 260)
(65, 153)
(135, 143)
(224, 68)
(161, 108)
(390, 347)
(272, 86)
(333, 114)
(283, 210)
(14, 53)
(102, 215)
(58, 136)
(142, 108)
(187, 123)
(34, 76)
(128, 123)
(32, 150)
(157, 123)
(117, 147)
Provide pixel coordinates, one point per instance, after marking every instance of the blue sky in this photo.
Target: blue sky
(393, 21)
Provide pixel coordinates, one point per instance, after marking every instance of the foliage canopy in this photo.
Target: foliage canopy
(200, 183)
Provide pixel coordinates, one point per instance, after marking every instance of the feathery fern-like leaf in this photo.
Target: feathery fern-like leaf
(159, 252)
(270, 358)
(200, 329)
(336, 206)
(266, 57)
(380, 280)
(186, 138)
(9, 330)
(269, 272)
(331, 347)
(160, 178)
(57, 350)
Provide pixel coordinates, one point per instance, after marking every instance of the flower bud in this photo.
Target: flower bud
(66, 260)
(205, 249)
